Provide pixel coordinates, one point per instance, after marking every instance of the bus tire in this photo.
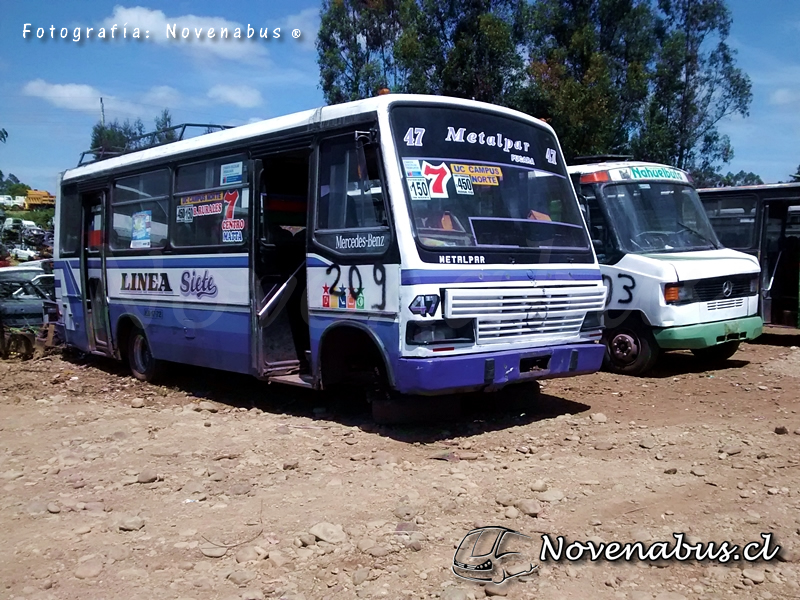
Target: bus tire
(630, 350)
(716, 354)
(142, 363)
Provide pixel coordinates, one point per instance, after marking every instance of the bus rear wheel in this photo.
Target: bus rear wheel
(717, 354)
(630, 350)
(142, 363)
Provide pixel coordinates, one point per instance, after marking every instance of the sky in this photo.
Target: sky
(50, 89)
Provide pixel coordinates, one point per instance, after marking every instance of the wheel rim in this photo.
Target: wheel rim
(141, 354)
(624, 348)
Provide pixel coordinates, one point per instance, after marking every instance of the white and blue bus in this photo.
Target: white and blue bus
(427, 245)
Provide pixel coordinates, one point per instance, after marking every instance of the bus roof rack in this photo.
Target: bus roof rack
(600, 158)
(148, 140)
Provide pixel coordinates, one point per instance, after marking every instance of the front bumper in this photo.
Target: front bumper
(705, 335)
(472, 372)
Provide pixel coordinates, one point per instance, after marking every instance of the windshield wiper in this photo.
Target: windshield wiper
(697, 233)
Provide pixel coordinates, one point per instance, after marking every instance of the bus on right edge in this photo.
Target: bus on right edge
(671, 284)
(764, 221)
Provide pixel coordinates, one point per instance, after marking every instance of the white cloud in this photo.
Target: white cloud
(784, 96)
(85, 98)
(75, 96)
(242, 96)
(156, 22)
(307, 21)
(164, 96)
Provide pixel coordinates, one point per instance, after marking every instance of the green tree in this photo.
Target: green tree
(712, 178)
(11, 186)
(463, 48)
(3, 135)
(163, 134)
(694, 86)
(589, 69)
(18, 189)
(796, 177)
(115, 138)
(354, 47)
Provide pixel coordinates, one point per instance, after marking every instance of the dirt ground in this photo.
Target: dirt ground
(214, 485)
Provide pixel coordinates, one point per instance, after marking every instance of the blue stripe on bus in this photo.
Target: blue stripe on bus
(313, 261)
(221, 339)
(69, 280)
(419, 276)
(178, 262)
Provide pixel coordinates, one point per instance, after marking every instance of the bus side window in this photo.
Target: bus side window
(349, 199)
(211, 203)
(598, 226)
(70, 225)
(734, 220)
(139, 211)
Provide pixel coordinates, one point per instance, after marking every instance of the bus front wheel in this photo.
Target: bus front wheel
(717, 354)
(143, 365)
(630, 350)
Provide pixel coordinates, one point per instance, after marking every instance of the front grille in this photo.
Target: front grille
(730, 303)
(524, 314)
(706, 290)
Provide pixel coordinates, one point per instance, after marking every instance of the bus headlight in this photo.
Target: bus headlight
(677, 293)
(425, 333)
(754, 285)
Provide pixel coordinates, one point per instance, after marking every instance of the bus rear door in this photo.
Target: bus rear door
(780, 263)
(93, 273)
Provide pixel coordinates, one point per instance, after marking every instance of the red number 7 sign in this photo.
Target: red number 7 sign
(439, 176)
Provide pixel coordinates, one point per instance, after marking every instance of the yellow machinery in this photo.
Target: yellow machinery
(39, 199)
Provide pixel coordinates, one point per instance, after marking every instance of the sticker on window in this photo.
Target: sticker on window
(204, 210)
(438, 175)
(232, 231)
(200, 198)
(230, 199)
(463, 184)
(418, 186)
(184, 215)
(140, 229)
(412, 168)
(230, 173)
(479, 174)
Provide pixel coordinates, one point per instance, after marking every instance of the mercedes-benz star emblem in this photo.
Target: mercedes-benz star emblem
(727, 288)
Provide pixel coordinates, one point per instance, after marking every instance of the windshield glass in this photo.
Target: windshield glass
(658, 216)
(478, 180)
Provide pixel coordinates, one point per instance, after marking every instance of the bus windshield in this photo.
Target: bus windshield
(658, 216)
(475, 179)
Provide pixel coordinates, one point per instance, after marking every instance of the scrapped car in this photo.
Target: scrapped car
(21, 304)
(24, 253)
(21, 316)
(25, 273)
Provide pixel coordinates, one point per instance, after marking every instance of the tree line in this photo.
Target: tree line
(115, 137)
(646, 78)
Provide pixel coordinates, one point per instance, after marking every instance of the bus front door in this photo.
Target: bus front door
(95, 302)
(279, 266)
(780, 264)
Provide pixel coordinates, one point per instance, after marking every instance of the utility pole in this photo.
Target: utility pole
(102, 114)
